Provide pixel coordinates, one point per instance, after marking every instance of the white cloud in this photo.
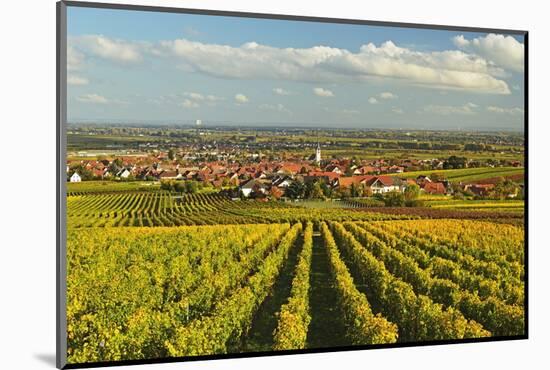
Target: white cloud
(319, 91)
(511, 111)
(187, 103)
(468, 108)
(280, 91)
(387, 95)
(450, 69)
(213, 98)
(350, 111)
(119, 51)
(75, 80)
(439, 69)
(373, 100)
(93, 99)
(198, 97)
(241, 99)
(194, 95)
(504, 51)
(75, 59)
(275, 107)
(397, 110)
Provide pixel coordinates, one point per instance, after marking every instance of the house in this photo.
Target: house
(334, 168)
(288, 167)
(253, 186)
(124, 173)
(364, 170)
(331, 176)
(346, 182)
(434, 188)
(396, 169)
(480, 189)
(282, 182)
(170, 175)
(422, 179)
(384, 184)
(75, 177)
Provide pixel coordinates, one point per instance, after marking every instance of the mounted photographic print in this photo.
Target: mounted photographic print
(235, 184)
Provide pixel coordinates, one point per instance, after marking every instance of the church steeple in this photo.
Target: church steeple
(318, 153)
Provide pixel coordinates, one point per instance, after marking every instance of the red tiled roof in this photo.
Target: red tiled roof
(345, 182)
(330, 175)
(434, 188)
(386, 180)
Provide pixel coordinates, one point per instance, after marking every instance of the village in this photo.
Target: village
(257, 177)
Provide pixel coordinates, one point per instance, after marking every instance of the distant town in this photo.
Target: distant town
(245, 171)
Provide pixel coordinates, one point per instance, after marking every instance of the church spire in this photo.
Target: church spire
(318, 153)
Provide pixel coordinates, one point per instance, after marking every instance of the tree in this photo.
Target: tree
(296, 190)
(505, 188)
(180, 187)
(435, 177)
(354, 190)
(454, 162)
(191, 187)
(171, 154)
(412, 191)
(115, 166)
(327, 190)
(317, 191)
(394, 199)
(167, 185)
(365, 191)
(84, 173)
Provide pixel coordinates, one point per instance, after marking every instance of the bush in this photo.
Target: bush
(414, 203)
(394, 199)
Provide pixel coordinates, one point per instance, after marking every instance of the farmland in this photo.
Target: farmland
(470, 174)
(137, 294)
(180, 244)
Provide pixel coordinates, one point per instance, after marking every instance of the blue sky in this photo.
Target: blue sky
(134, 66)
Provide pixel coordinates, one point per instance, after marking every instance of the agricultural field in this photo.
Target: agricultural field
(140, 292)
(156, 270)
(470, 174)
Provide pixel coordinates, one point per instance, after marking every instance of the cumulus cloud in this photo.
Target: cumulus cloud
(504, 51)
(75, 80)
(453, 69)
(445, 110)
(115, 50)
(187, 103)
(384, 96)
(93, 99)
(449, 69)
(275, 107)
(511, 111)
(194, 95)
(387, 95)
(241, 99)
(319, 91)
(213, 98)
(280, 91)
(75, 59)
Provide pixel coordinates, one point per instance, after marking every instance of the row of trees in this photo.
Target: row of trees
(187, 186)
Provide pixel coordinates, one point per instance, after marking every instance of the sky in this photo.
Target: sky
(162, 68)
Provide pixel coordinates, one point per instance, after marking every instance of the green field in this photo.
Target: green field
(467, 174)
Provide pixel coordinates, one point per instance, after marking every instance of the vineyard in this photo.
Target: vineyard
(301, 279)
(160, 208)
